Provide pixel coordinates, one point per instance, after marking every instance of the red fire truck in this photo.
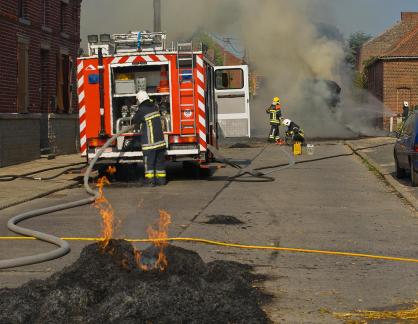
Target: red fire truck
(197, 99)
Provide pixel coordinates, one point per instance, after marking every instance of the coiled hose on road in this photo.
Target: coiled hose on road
(63, 246)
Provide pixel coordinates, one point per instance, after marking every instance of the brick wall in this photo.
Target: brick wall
(375, 80)
(400, 84)
(230, 59)
(48, 37)
(393, 82)
(40, 34)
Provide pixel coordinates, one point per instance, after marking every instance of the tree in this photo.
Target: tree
(354, 44)
(210, 44)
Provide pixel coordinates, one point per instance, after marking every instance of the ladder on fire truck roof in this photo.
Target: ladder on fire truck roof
(185, 67)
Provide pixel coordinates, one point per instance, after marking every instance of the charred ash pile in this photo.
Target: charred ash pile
(105, 285)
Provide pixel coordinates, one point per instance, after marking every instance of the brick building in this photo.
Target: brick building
(390, 62)
(40, 43)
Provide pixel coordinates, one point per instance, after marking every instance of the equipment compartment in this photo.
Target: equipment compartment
(127, 81)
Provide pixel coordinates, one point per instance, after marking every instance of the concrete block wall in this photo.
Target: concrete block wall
(19, 138)
(65, 130)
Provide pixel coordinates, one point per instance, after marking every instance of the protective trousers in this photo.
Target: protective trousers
(274, 133)
(154, 161)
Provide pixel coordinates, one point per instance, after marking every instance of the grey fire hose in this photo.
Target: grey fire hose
(63, 246)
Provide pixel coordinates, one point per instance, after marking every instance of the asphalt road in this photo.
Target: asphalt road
(335, 204)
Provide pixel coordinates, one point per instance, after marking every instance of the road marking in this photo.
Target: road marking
(232, 245)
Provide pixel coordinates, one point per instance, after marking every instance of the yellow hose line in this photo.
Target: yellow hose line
(231, 245)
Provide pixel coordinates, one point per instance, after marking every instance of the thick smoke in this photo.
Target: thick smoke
(289, 43)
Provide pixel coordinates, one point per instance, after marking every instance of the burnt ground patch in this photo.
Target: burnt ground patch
(109, 288)
(223, 220)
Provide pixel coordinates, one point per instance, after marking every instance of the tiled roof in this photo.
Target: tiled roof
(407, 46)
(399, 40)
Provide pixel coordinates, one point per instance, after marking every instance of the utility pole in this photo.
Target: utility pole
(157, 16)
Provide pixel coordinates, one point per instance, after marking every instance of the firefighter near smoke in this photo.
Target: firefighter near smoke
(192, 94)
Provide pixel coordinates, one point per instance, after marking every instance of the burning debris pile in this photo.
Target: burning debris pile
(105, 285)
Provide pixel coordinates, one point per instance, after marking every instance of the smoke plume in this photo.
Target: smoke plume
(289, 43)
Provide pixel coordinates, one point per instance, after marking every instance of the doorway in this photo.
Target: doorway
(22, 77)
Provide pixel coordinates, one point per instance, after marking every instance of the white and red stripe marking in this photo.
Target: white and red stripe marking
(137, 59)
(201, 85)
(82, 107)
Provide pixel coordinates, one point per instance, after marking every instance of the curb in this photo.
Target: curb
(411, 199)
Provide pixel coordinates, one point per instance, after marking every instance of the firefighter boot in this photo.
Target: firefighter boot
(149, 180)
(161, 178)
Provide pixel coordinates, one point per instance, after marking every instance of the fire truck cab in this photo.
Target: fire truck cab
(198, 100)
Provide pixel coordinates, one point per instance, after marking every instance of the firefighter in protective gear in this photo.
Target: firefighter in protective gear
(152, 140)
(294, 132)
(275, 113)
(405, 111)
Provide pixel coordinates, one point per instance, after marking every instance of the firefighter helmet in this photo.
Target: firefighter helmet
(287, 122)
(406, 104)
(276, 100)
(142, 96)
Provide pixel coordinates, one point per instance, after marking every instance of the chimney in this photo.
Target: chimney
(409, 16)
(157, 15)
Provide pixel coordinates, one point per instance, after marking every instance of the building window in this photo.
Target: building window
(64, 81)
(22, 77)
(21, 8)
(62, 16)
(45, 63)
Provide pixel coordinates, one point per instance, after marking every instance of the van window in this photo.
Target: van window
(229, 79)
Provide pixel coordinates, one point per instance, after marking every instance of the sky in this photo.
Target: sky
(374, 16)
(370, 16)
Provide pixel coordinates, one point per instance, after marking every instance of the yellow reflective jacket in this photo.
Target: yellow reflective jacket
(275, 113)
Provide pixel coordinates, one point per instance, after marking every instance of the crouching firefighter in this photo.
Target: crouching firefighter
(294, 132)
(152, 140)
(275, 113)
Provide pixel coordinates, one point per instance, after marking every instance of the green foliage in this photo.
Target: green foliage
(360, 80)
(354, 44)
(370, 61)
(210, 44)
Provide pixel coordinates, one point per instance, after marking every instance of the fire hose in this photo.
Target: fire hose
(248, 170)
(63, 246)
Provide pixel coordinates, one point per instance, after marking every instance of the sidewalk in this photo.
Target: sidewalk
(22, 190)
(381, 158)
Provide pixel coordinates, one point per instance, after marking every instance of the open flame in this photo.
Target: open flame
(159, 237)
(106, 212)
(111, 170)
